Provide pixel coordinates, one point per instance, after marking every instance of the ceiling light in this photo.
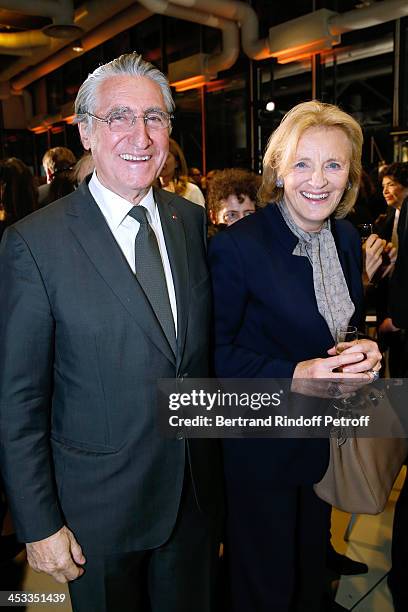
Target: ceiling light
(68, 30)
(77, 46)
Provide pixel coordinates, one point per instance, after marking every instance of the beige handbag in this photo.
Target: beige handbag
(362, 471)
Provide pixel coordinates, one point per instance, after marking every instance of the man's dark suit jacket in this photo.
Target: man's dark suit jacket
(81, 351)
(44, 197)
(384, 224)
(398, 304)
(266, 321)
(383, 227)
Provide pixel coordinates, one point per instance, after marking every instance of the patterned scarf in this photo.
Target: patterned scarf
(331, 291)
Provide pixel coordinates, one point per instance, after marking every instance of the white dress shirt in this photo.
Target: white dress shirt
(115, 209)
(394, 236)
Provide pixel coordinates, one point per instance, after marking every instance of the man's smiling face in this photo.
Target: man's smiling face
(127, 162)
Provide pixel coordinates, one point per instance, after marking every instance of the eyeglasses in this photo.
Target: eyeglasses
(124, 120)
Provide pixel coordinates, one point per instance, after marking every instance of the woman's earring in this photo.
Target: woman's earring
(348, 187)
(279, 182)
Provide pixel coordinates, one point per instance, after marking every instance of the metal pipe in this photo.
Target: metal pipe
(230, 42)
(88, 16)
(240, 12)
(367, 17)
(255, 48)
(128, 18)
(343, 78)
(22, 43)
(44, 8)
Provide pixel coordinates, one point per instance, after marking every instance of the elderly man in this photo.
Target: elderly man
(102, 294)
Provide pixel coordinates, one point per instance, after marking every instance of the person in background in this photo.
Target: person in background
(18, 198)
(398, 301)
(284, 281)
(18, 192)
(83, 168)
(376, 251)
(394, 180)
(195, 176)
(58, 164)
(103, 293)
(232, 195)
(206, 180)
(364, 210)
(174, 176)
(398, 311)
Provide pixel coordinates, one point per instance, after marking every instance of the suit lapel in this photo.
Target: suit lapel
(175, 238)
(92, 232)
(289, 241)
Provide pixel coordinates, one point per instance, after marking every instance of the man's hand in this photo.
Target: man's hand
(59, 555)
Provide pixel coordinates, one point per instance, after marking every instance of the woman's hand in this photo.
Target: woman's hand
(326, 367)
(359, 359)
(371, 361)
(392, 252)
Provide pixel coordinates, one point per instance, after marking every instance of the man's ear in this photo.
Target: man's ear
(85, 134)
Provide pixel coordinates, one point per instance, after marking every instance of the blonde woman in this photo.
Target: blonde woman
(174, 176)
(284, 280)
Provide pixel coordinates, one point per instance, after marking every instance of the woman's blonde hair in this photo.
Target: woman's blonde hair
(283, 143)
(180, 178)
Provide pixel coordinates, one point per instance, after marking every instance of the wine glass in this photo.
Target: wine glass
(365, 230)
(343, 336)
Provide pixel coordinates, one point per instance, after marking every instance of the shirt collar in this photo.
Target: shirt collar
(115, 208)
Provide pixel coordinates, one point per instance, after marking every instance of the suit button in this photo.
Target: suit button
(179, 436)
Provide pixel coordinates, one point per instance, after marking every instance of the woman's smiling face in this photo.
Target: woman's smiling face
(318, 176)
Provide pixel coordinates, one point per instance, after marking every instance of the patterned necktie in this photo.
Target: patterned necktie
(150, 274)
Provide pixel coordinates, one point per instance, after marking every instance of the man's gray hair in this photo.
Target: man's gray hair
(128, 64)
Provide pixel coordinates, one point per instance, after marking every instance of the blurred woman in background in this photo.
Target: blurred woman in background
(18, 192)
(174, 176)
